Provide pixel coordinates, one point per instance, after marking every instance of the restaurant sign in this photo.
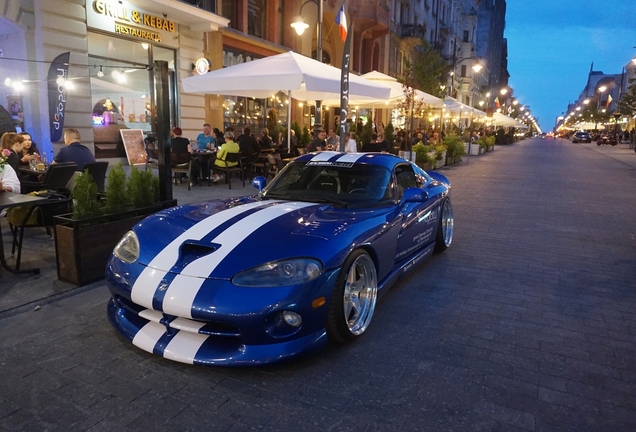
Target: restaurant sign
(118, 17)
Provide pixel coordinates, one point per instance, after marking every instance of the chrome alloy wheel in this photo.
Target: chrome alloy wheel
(360, 294)
(447, 223)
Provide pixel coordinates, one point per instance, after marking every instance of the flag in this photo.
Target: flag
(341, 20)
(609, 101)
(497, 104)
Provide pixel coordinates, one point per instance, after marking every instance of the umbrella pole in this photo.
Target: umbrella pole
(289, 104)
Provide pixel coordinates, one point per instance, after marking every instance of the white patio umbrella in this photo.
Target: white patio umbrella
(500, 119)
(397, 94)
(453, 105)
(301, 77)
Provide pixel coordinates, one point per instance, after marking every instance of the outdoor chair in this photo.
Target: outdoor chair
(182, 164)
(97, 170)
(39, 215)
(275, 164)
(56, 177)
(234, 157)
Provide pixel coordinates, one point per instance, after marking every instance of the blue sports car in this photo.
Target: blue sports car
(259, 279)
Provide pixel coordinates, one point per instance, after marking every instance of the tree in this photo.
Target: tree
(427, 67)
(410, 105)
(627, 104)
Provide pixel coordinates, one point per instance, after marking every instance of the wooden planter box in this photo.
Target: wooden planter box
(474, 149)
(83, 247)
(425, 165)
(458, 159)
(450, 160)
(491, 148)
(482, 150)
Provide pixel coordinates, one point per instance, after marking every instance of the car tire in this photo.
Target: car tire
(445, 227)
(353, 299)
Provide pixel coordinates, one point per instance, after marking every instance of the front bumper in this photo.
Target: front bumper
(228, 325)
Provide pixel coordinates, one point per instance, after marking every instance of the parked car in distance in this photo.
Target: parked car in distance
(581, 136)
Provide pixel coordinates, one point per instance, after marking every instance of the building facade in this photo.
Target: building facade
(109, 48)
(104, 53)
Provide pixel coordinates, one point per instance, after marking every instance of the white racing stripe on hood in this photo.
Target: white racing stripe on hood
(185, 286)
(148, 281)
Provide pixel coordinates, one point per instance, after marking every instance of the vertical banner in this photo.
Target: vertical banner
(57, 94)
(345, 35)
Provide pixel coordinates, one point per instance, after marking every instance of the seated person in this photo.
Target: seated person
(178, 144)
(9, 183)
(288, 151)
(318, 143)
(266, 141)
(29, 150)
(13, 142)
(373, 145)
(181, 151)
(219, 164)
(248, 144)
(74, 151)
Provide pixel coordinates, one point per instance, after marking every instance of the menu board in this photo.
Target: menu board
(134, 144)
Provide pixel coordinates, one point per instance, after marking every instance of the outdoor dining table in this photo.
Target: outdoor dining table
(34, 172)
(8, 200)
(206, 158)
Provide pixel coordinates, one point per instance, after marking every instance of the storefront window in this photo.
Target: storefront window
(122, 89)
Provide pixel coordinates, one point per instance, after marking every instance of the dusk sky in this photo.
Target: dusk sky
(552, 43)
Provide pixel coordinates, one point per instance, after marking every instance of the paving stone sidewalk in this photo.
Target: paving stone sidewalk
(527, 323)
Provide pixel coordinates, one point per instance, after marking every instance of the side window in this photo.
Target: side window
(405, 178)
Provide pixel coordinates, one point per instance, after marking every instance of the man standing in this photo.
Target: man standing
(205, 140)
(74, 151)
(318, 143)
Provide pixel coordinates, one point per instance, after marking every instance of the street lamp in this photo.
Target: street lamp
(601, 89)
(300, 26)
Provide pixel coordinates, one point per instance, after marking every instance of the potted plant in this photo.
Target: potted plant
(85, 238)
(474, 147)
(440, 155)
(490, 143)
(454, 148)
(424, 156)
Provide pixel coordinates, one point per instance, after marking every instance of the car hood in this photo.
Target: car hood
(218, 239)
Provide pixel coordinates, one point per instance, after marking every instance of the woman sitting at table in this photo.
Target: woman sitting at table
(29, 150)
(265, 142)
(13, 142)
(219, 164)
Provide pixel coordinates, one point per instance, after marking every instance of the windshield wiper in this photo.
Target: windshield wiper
(325, 201)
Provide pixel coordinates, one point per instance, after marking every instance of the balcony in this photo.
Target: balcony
(412, 31)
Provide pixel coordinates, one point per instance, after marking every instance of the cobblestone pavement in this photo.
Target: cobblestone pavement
(527, 323)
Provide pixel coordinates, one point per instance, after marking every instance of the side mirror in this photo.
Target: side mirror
(414, 195)
(259, 183)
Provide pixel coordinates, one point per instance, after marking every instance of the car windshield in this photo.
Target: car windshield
(356, 185)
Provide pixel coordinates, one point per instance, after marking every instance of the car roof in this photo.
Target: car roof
(331, 158)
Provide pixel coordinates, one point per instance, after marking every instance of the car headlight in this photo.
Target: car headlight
(127, 249)
(280, 273)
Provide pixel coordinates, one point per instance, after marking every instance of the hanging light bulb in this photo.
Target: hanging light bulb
(100, 72)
